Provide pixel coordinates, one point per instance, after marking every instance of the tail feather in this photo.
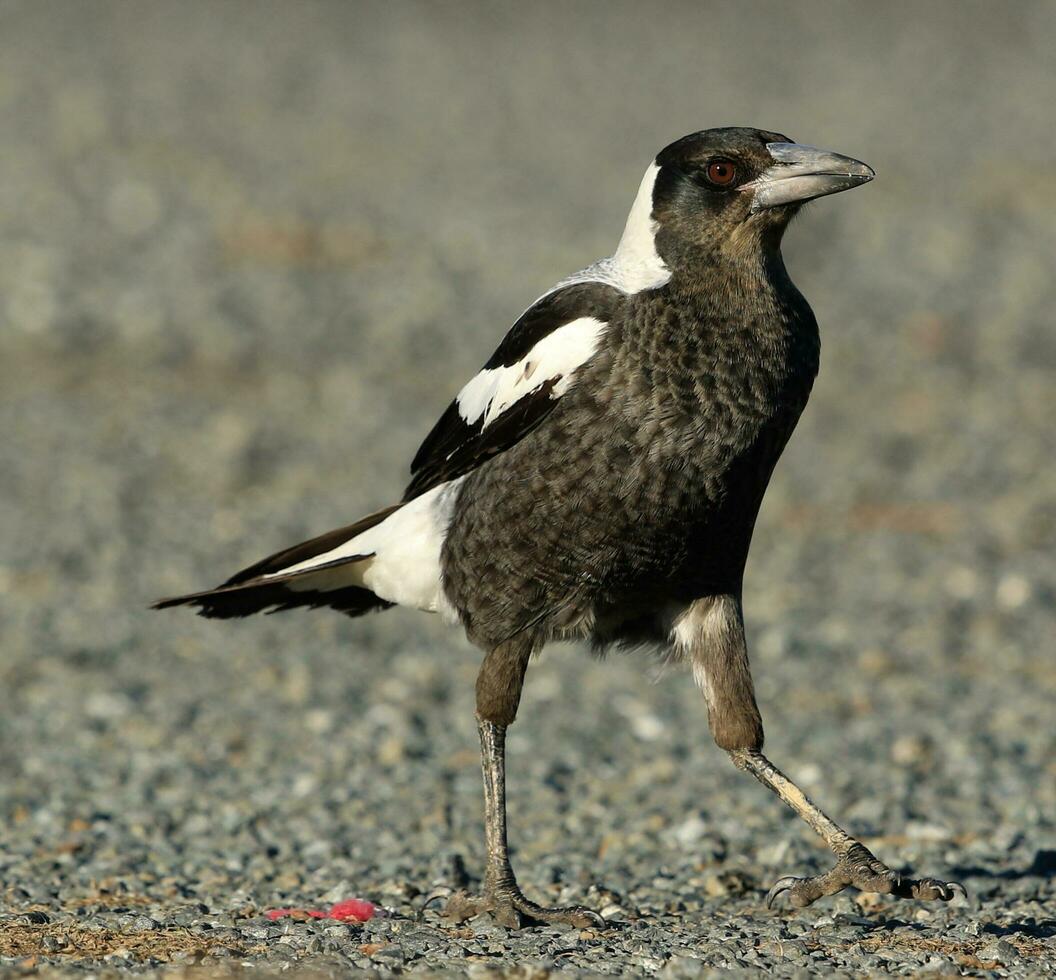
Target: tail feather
(261, 587)
(254, 597)
(310, 548)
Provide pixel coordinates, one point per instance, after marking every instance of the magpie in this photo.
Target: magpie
(600, 478)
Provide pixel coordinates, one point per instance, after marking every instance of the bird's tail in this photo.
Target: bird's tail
(326, 571)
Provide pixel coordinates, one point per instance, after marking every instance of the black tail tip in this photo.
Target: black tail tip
(215, 604)
(169, 603)
(247, 598)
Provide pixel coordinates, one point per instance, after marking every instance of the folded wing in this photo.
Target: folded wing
(518, 387)
(393, 557)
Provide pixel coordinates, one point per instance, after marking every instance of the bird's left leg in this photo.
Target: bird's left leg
(711, 635)
(499, 686)
(855, 865)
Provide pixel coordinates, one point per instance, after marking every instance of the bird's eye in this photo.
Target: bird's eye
(721, 173)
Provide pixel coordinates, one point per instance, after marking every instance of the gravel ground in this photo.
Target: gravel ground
(247, 253)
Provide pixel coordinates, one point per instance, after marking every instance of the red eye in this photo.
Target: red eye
(722, 173)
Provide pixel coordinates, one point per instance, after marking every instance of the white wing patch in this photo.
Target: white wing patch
(404, 566)
(554, 358)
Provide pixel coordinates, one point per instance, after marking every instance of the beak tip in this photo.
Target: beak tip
(802, 173)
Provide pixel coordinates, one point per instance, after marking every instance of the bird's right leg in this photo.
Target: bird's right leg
(499, 686)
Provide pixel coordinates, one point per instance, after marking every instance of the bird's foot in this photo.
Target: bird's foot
(509, 908)
(859, 868)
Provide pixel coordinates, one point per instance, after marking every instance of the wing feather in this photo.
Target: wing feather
(519, 385)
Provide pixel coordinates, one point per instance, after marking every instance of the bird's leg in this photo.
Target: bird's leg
(504, 897)
(855, 865)
(710, 633)
(498, 695)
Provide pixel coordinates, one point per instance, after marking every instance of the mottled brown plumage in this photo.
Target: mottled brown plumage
(640, 491)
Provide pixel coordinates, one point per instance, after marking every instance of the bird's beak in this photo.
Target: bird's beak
(801, 173)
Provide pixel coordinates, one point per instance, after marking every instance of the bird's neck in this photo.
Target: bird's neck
(741, 273)
(741, 293)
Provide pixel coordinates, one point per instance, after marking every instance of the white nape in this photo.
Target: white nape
(554, 358)
(635, 265)
(404, 562)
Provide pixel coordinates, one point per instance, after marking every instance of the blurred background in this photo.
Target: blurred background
(248, 252)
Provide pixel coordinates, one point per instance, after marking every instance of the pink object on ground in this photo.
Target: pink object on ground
(350, 910)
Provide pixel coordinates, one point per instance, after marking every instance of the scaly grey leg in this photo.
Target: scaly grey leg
(498, 695)
(856, 865)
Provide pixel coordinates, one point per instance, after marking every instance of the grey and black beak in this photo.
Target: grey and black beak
(801, 173)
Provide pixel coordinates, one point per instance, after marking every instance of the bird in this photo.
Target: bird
(599, 479)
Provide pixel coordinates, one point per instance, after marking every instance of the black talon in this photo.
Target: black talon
(930, 889)
(779, 887)
(436, 895)
(596, 921)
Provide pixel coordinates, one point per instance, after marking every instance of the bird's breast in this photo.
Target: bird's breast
(709, 386)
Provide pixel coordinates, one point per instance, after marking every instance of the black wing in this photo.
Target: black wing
(519, 385)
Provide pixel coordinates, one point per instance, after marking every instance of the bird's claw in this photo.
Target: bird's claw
(436, 895)
(510, 908)
(932, 889)
(858, 868)
(779, 886)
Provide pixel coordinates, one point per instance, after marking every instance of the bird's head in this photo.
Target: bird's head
(733, 188)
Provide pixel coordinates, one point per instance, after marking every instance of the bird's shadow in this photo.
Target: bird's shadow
(1043, 866)
(1045, 929)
